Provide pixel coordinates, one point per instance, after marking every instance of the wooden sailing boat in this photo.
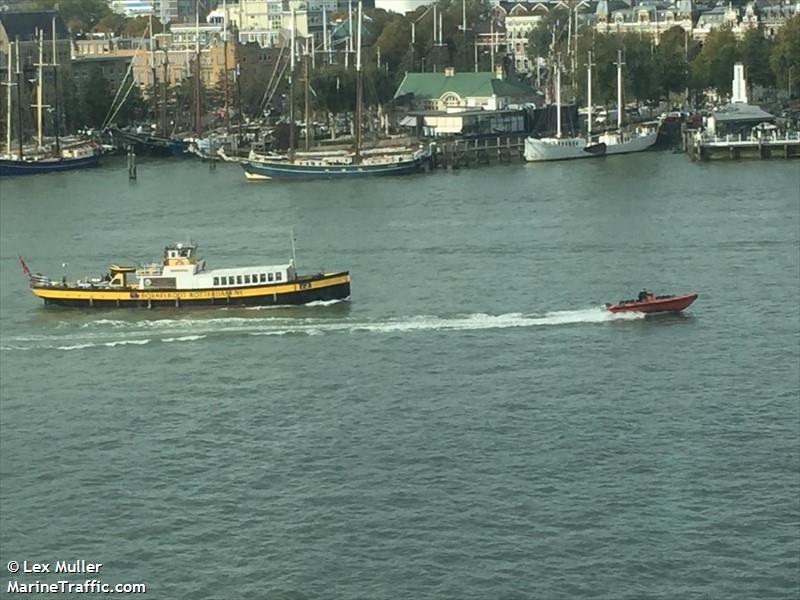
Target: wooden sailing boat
(334, 164)
(66, 158)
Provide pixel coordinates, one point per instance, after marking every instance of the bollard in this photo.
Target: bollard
(131, 163)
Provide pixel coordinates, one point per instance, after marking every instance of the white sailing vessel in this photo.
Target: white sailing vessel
(559, 147)
(625, 142)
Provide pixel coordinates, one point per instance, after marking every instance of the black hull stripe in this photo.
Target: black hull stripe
(336, 292)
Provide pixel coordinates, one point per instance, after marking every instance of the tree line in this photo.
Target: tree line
(655, 69)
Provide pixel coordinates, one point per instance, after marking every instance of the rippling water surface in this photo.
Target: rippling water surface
(471, 425)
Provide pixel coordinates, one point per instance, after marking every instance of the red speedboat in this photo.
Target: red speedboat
(648, 303)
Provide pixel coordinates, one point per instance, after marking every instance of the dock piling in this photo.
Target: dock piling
(131, 163)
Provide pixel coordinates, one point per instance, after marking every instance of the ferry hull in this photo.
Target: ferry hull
(23, 167)
(256, 171)
(327, 288)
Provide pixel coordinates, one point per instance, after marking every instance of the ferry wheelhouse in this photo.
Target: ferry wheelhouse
(182, 280)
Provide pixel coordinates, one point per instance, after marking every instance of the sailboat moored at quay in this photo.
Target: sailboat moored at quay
(323, 164)
(66, 157)
(560, 147)
(335, 164)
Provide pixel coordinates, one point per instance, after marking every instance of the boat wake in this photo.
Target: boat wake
(112, 333)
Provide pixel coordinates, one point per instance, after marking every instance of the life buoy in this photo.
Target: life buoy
(147, 282)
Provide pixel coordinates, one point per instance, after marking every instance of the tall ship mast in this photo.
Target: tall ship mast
(561, 147)
(622, 141)
(160, 143)
(60, 158)
(9, 84)
(335, 164)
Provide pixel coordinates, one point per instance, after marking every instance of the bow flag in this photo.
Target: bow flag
(25, 268)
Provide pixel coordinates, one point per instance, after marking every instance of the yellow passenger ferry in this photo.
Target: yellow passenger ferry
(182, 280)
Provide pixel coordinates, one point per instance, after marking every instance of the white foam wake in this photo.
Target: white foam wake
(112, 332)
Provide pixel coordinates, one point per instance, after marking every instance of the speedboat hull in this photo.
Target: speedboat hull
(657, 304)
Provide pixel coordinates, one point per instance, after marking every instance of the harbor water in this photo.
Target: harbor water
(472, 425)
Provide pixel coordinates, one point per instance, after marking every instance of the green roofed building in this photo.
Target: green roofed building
(453, 92)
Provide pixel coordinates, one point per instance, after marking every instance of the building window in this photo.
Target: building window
(451, 100)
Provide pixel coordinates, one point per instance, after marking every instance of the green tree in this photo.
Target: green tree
(77, 26)
(453, 52)
(334, 92)
(379, 86)
(96, 100)
(335, 89)
(550, 34)
(671, 63)
(713, 66)
(394, 41)
(138, 26)
(111, 23)
(89, 12)
(134, 110)
(605, 51)
(754, 50)
(639, 72)
(71, 105)
(785, 55)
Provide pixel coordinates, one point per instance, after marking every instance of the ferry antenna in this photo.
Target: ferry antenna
(294, 257)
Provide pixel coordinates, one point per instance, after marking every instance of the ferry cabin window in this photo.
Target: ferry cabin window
(271, 277)
(239, 279)
(255, 278)
(216, 280)
(263, 277)
(247, 278)
(278, 276)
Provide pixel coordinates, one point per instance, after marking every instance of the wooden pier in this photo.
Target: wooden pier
(457, 153)
(733, 147)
